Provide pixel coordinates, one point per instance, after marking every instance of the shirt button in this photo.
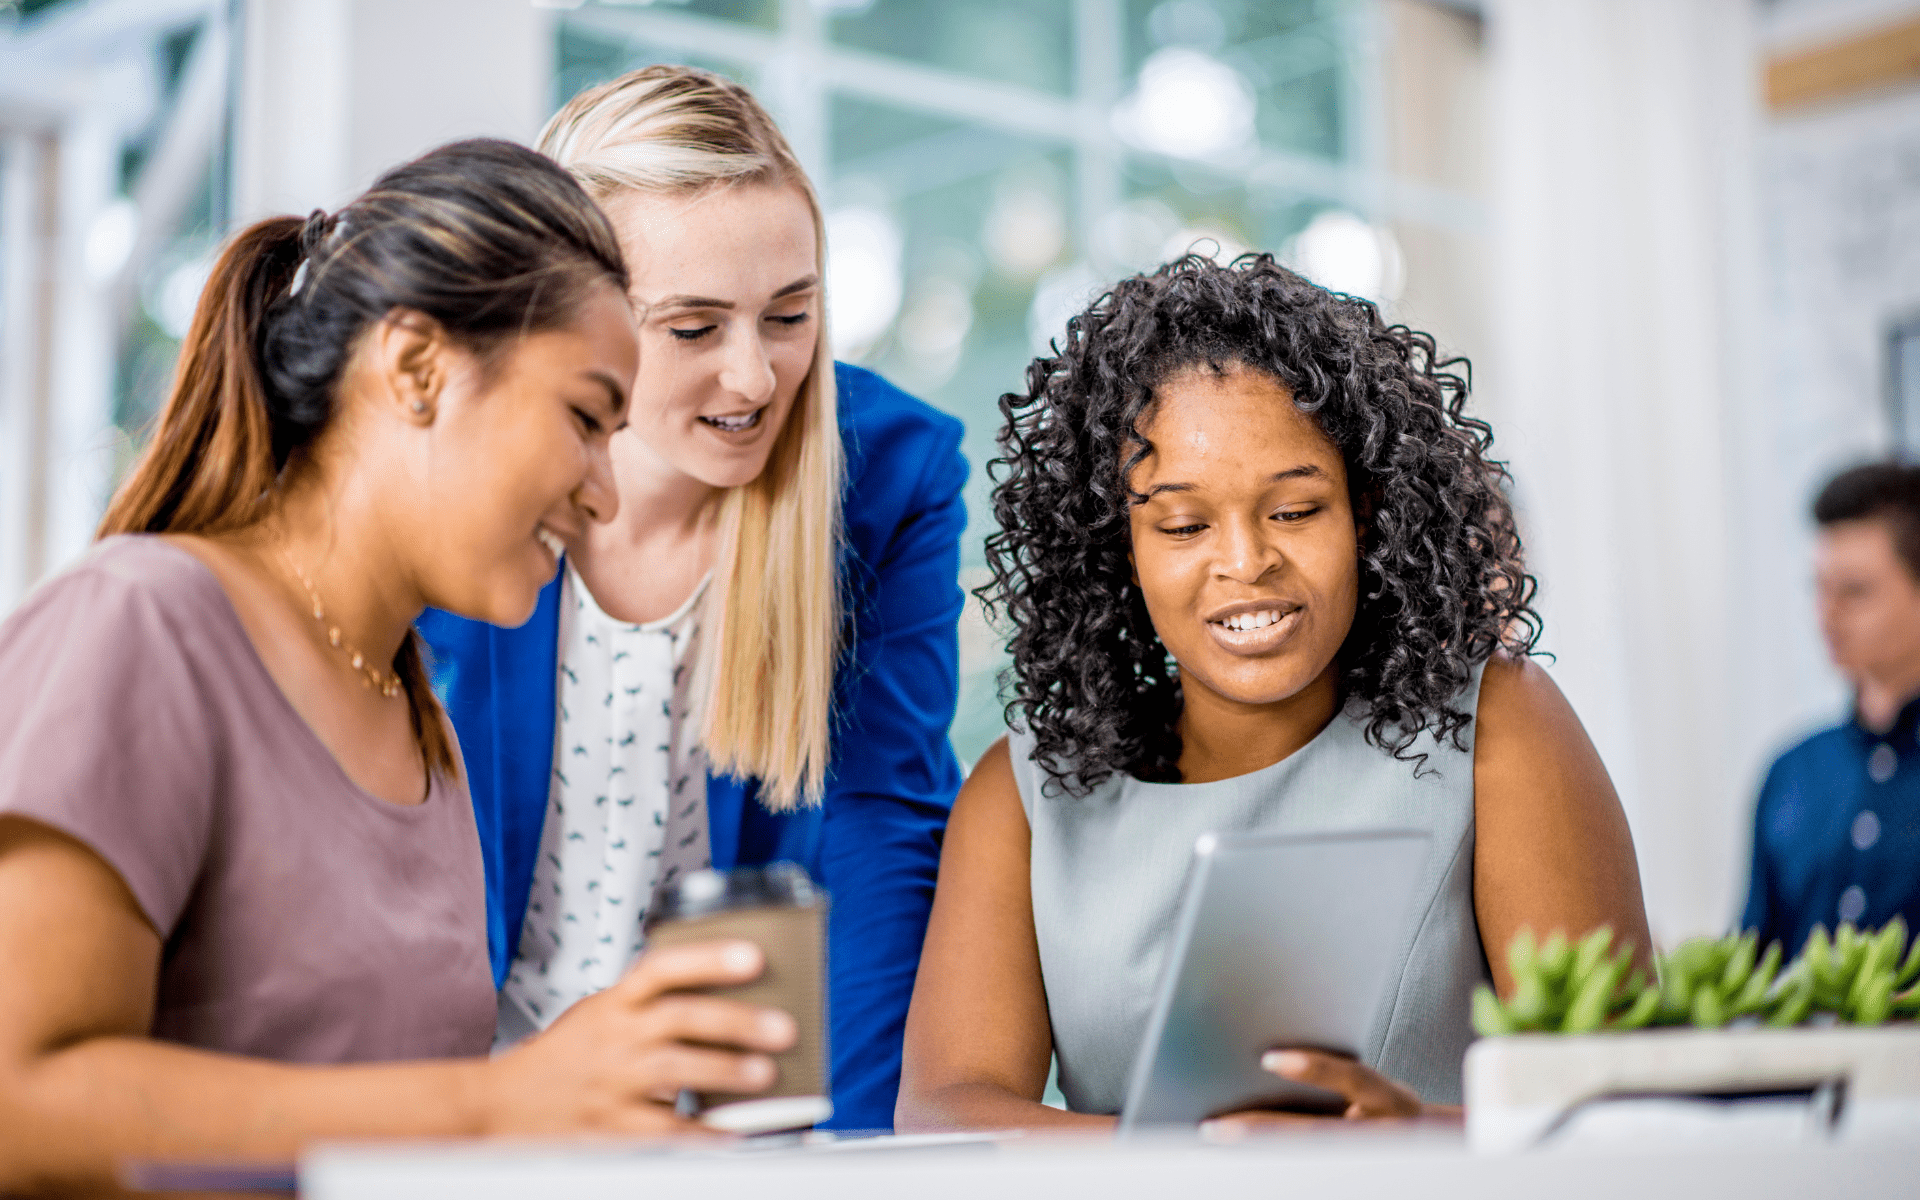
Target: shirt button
(1853, 903)
(1866, 830)
(1881, 763)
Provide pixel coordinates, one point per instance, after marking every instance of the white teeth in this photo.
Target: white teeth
(551, 541)
(735, 424)
(1243, 622)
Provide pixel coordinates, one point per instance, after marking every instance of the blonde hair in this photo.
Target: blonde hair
(764, 676)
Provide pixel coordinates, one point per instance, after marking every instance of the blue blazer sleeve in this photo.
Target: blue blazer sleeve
(894, 772)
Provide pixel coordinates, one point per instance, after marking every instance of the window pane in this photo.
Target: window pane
(981, 218)
(591, 56)
(762, 14)
(169, 284)
(1028, 42)
(983, 221)
(1288, 56)
(1174, 203)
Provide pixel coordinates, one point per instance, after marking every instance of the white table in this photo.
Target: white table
(1423, 1165)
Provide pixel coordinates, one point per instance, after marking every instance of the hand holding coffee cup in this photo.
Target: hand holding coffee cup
(615, 1062)
(778, 909)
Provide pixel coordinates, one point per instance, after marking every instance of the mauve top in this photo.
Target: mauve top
(303, 919)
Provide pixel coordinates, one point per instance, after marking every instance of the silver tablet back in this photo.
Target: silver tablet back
(1283, 940)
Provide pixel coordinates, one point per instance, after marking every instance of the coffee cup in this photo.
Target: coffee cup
(777, 908)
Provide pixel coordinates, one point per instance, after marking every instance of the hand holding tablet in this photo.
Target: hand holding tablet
(1285, 942)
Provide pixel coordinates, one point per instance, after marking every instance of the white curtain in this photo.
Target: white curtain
(1625, 279)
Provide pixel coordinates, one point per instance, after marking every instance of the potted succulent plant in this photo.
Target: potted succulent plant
(1722, 1019)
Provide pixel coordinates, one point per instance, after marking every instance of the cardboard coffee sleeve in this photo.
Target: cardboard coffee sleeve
(777, 908)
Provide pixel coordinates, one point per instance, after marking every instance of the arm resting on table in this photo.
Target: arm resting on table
(978, 1040)
(82, 1088)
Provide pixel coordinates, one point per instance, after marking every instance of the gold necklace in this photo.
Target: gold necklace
(387, 683)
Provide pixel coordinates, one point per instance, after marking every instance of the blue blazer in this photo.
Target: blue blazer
(874, 843)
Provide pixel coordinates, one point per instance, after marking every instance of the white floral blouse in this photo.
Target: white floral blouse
(627, 813)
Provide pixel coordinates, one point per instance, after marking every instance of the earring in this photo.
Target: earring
(419, 406)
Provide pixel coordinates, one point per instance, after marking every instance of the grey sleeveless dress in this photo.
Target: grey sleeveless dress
(1109, 868)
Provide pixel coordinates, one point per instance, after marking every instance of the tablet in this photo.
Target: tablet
(1282, 940)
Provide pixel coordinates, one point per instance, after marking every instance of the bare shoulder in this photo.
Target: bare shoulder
(1552, 849)
(988, 838)
(991, 792)
(1529, 748)
(995, 765)
(1524, 720)
(1515, 687)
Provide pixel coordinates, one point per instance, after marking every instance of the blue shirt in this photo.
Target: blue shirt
(1837, 833)
(874, 843)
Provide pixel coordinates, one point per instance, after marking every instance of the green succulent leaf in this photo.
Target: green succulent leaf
(1894, 934)
(1709, 1008)
(1636, 985)
(1556, 959)
(1590, 956)
(1733, 976)
(1875, 999)
(1818, 955)
(1793, 1003)
(1490, 1017)
(1590, 1006)
(1752, 996)
(1879, 953)
(1850, 951)
(1522, 955)
(1640, 1012)
(1911, 967)
(1531, 1003)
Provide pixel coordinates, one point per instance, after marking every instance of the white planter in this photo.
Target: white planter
(1536, 1089)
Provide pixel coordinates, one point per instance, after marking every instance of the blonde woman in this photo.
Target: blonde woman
(756, 659)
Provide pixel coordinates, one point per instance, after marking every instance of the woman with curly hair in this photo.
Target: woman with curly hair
(1261, 574)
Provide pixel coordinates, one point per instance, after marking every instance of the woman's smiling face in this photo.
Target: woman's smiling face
(518, 463)
(1245, 545)
(726, 288)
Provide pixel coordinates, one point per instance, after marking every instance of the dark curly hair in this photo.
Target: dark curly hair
(1442, 584)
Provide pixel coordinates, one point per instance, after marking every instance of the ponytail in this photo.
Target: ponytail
(486, 237)
(215, 453)
(209, 467)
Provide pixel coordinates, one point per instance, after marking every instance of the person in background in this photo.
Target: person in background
(757, 658)
(1261, 575)
(1836, 832)
(240, 888)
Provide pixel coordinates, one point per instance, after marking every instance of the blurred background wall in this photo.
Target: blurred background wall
(1679, 240)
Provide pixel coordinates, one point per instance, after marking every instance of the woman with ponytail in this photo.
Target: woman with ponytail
(756, 660)
(235, 831)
